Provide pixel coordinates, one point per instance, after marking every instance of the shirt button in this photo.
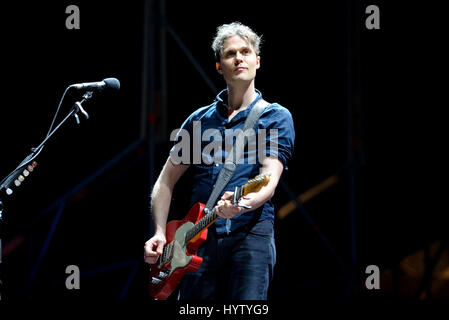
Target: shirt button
(216, 164)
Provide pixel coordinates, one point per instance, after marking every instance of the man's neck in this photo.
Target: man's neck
(239, 97)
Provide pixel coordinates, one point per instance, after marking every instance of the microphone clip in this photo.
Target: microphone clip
(77, 107)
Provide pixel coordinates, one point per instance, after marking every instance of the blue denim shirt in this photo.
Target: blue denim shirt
(207, 164)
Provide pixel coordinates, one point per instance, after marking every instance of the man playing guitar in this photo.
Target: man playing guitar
(239, 253)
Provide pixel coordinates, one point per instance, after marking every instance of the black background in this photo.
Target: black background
(307, 51)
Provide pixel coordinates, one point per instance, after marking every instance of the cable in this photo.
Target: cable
(57, 110)
(35, 151)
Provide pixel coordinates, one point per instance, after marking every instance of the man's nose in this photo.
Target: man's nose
(238, 58)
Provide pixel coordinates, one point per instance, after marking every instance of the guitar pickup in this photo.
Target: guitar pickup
(166, 256)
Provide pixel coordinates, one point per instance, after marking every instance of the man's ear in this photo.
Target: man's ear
(218, 67)
(258, 62)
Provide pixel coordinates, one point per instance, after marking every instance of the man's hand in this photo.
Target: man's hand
(225, 208)
(153, 248)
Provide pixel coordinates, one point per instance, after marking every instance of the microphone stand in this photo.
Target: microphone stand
(1, 217)
(11, 178)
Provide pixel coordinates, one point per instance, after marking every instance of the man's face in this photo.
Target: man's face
(239, 61)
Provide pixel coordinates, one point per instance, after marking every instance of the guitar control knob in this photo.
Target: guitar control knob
(163, 274)
(155, 280)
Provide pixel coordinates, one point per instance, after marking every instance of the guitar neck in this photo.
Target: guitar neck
(253, 185)
(202, 224)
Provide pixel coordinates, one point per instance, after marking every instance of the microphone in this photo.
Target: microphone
(108, 83)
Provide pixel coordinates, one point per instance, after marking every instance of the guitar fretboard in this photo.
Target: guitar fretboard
(201, 225)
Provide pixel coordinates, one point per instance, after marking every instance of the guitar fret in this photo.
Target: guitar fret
(200, 225)
(207, 219)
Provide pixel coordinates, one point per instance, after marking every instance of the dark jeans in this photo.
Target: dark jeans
(238, 266)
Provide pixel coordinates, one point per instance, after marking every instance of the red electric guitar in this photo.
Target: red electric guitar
(183, 239)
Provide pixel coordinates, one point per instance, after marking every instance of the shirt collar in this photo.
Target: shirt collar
(222, 106)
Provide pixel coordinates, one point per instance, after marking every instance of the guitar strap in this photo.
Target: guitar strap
(230, 165)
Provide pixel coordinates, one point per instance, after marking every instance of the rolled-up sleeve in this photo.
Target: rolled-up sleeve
(280, 133)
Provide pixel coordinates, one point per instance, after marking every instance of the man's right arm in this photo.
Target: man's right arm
(160, 207)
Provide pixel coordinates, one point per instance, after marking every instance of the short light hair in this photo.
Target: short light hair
(226, 31)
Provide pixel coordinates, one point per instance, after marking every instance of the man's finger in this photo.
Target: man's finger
(227, 195)
(160, 247)
(150, 260)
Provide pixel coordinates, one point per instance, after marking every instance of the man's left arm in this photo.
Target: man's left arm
(225, 208)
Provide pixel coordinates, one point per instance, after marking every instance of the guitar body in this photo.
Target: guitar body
(183, 239)
(184, 258)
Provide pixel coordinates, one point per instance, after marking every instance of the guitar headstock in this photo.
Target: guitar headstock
(257, 183)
